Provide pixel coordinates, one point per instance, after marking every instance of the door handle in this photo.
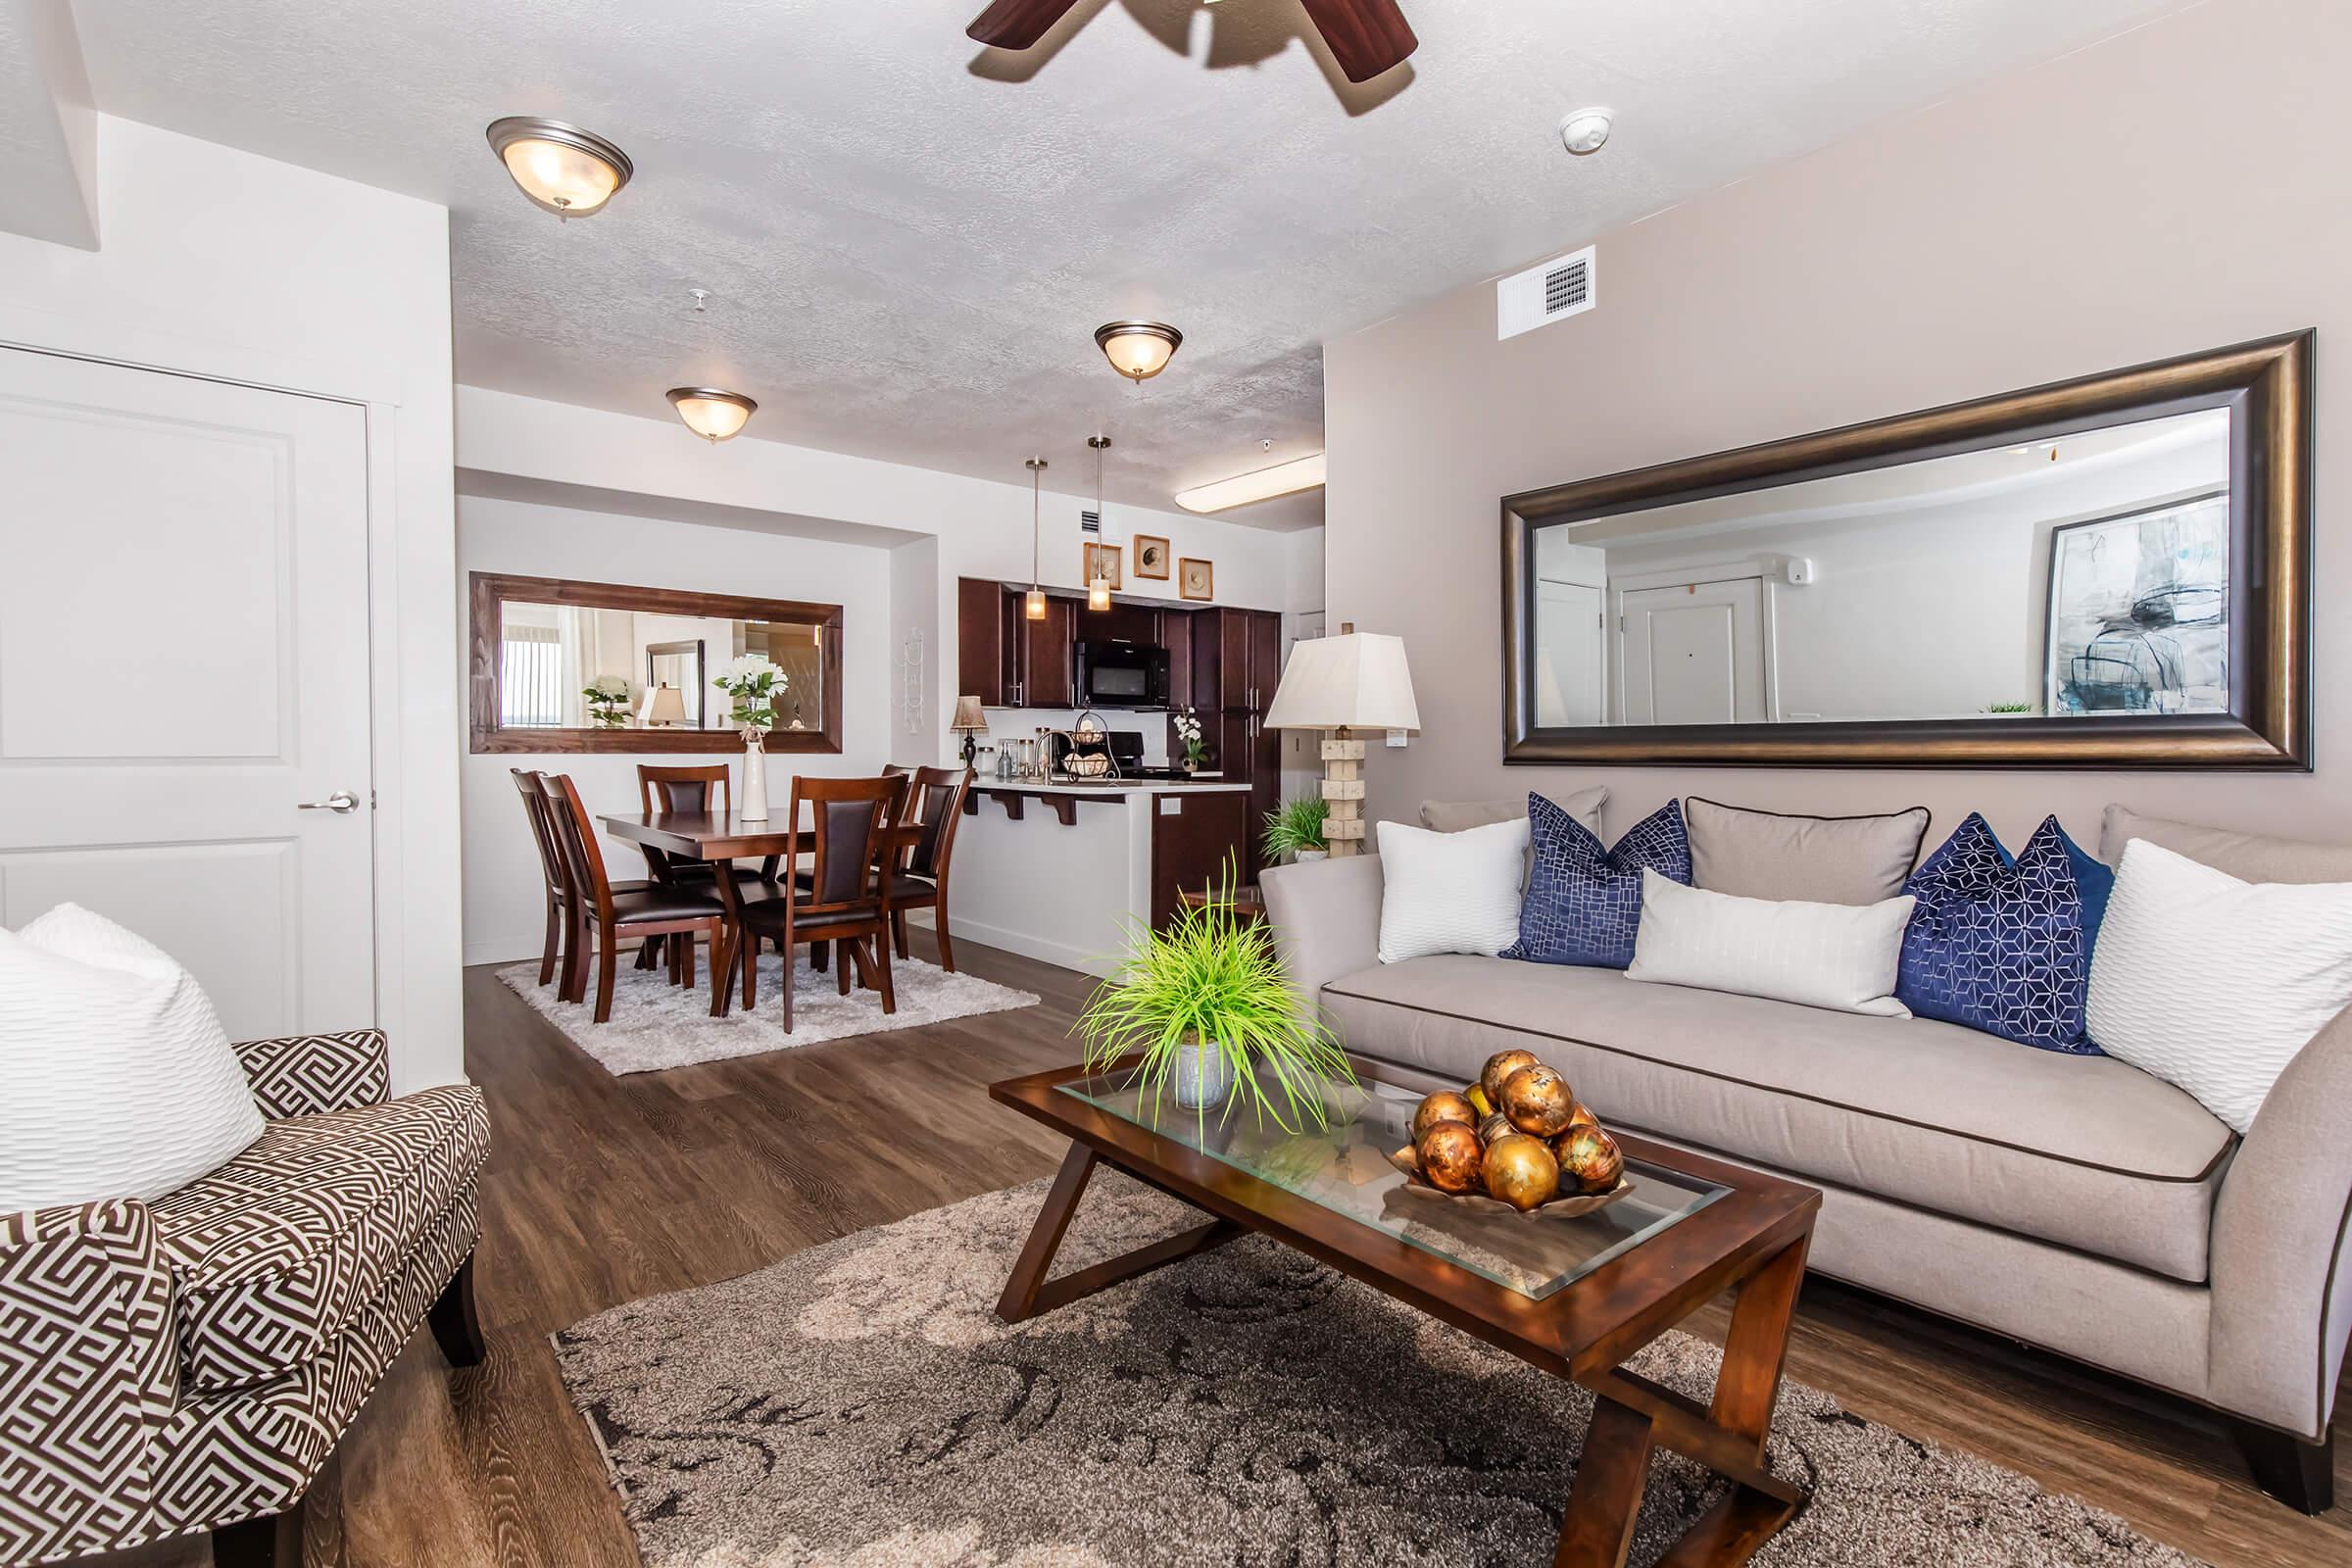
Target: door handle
(340, 801)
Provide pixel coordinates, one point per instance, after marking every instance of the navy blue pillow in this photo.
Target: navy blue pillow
(2003, 944)
(1583, 901)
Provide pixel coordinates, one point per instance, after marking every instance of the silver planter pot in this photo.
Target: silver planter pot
(1202, 1077)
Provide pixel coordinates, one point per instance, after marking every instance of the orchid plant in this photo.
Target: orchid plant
(754, 681)
(608, 701)
(1187, 730)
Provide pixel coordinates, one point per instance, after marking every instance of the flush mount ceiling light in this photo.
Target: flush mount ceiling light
(1138, 350)
(1585, 132)
(569, 171)
(1284, 479)
(712, 413)
(1365, 36)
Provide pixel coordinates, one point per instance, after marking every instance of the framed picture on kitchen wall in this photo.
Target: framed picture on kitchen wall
(1151, 558)
(1195, 580)
(1103, 559)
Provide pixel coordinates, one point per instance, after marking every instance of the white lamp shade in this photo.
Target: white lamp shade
(970, 719)
(664, 705)
(1355, 681)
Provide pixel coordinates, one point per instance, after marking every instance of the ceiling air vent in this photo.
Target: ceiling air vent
(1553, 291)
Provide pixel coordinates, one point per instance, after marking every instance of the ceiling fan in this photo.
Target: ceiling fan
(1366, 36)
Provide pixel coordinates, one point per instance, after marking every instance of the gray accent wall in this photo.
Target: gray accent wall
(2170, 190)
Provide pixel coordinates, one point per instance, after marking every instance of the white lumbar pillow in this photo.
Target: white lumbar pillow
(2214, 984)
(1840, 956)
(119, 1081)
(1450, 892)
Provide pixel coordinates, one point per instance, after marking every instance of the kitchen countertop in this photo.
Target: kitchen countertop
(1106, 786)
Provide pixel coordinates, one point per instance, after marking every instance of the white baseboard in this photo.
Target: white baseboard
(1029, 947)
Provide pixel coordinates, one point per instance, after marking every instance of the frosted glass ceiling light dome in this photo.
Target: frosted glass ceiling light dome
(1138, 350)
(712, 413)
(569, 171)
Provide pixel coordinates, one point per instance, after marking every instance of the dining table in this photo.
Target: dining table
(726, 836)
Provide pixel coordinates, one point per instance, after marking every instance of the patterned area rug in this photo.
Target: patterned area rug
(656, 1024)
(861, 1405)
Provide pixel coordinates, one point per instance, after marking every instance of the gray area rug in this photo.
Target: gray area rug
(656, 1024)
(859, 1405)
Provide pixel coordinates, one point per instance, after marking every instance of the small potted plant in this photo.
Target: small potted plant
(754, 682)
(1203, 1014)
(608, 701)
(1187, 732)
(1294, 829)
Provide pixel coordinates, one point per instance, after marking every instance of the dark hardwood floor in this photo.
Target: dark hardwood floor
(602, 1189)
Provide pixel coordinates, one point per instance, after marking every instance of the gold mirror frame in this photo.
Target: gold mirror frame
(2267, 386)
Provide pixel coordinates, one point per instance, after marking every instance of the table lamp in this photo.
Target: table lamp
(970, 722)
(1355, 681)
(665, 708)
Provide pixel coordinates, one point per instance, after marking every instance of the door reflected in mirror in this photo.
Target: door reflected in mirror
(2074, 576)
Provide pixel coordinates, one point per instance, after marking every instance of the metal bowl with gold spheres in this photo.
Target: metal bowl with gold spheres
(1518, 1142)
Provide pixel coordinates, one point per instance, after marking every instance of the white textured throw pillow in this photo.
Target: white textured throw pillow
(2214, 984)
(1450, 892)
(115, 1077)
(1839, 955)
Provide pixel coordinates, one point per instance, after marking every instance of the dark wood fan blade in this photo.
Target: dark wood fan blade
(1019, 24)
(1366, 36)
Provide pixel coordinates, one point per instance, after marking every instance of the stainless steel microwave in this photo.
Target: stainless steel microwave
(1122, 674)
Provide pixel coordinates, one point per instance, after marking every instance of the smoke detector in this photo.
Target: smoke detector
(1585, 132)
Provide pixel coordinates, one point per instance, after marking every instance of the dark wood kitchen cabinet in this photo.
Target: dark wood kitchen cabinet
(1046, 648)
(1196, 833)
(1003, 658)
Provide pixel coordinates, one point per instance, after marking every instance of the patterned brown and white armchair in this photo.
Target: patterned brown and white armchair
(190, 1363)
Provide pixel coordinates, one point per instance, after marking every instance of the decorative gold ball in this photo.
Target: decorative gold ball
(1521, 1171)
(1538, 1101)
(1589, 1159)
(1498, 1069)
(1495, 1126)
(1582, 1117)
(1444, 1106)
(1476, 1095)
(1451, 1156)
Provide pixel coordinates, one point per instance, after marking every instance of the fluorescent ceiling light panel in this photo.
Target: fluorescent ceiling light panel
(1284, 479)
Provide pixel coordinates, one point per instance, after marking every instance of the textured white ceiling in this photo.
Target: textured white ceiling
(908, 240)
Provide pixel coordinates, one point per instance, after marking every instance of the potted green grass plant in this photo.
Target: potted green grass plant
(1202, 1014)
(1294, 829)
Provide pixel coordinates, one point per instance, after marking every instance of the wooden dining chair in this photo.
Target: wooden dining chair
(603, 915)
(706, 787)
(840, 899)
(919, 881)
(555, 882)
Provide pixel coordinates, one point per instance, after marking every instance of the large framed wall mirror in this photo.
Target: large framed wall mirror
(563, 666)
(2109, 572)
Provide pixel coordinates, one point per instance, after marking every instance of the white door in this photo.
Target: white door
(1569, 654)
(1694, 654)
(183, 665)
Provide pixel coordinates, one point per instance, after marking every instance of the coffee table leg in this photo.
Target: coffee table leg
(1729, 1435)
(1029, 1292)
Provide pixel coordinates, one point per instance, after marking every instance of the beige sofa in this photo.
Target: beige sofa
(2073, 1202)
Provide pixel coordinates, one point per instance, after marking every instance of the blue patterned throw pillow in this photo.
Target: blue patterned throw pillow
(2003, 944)
(1583, 901)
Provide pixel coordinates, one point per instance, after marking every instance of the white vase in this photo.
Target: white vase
(754, 778)
(1307, 856)
(1201, 1076)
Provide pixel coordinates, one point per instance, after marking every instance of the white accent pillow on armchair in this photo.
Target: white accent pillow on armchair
(115, 1077)
(1450, 892)
(2213, 984)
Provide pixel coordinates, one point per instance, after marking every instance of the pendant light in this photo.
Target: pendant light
(1097, 590)
(712, 413)
(1138, 350)
(569, 171)
(1034, 606)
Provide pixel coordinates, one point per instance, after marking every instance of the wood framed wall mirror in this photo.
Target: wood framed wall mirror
(566, 667)
(2108, 572)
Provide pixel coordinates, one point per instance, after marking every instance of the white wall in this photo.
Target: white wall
(219, 263)
(503, 911)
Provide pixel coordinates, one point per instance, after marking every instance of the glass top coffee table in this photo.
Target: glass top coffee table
(1573, 1296)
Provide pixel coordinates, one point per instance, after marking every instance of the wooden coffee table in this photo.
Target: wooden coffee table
(1575, 1298)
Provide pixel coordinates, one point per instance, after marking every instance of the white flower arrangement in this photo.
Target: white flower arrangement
(608, 700)
(753, 680)
(1187, 730)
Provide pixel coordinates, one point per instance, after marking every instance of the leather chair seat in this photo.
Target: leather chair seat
(655, 902)
(618, 888)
